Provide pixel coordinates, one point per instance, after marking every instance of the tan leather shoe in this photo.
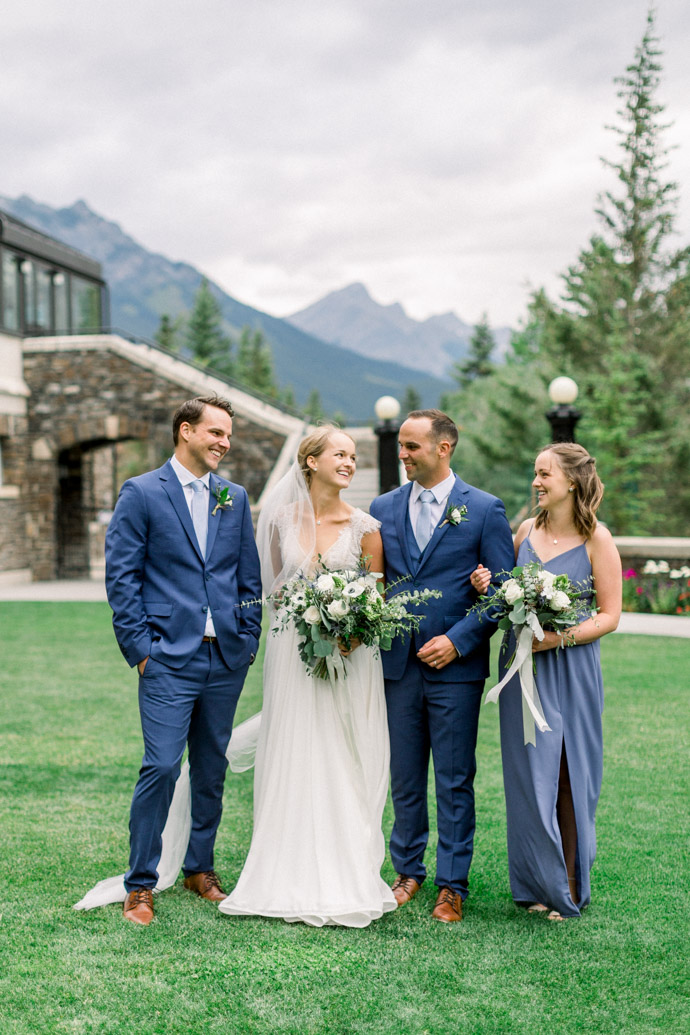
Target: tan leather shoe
(404, 888)
(448, 906)
(206, 885)
(138, 906)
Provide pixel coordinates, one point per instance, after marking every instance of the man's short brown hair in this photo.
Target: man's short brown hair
(443, 429)
(192, 411)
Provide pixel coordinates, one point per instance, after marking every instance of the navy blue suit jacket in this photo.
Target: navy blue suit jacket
(446, 564)
(160, 587)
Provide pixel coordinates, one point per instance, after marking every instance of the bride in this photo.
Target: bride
(321, 775)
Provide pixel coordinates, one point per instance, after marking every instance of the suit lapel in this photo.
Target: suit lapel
(171, 484)
(400, 504)
(458, 494)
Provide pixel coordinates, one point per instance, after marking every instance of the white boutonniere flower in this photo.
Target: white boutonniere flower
(454, 515)
(223, 499)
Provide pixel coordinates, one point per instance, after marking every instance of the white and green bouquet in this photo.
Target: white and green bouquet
(342, 608)
(528, 600)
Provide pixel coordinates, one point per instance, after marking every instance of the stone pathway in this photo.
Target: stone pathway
(94, 590)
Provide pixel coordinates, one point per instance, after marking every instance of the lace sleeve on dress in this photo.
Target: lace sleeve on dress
(363, 523)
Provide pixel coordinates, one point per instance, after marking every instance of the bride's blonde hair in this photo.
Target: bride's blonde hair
(314, 445)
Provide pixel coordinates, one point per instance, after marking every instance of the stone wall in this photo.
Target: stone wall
(63, 456)
(14, 547)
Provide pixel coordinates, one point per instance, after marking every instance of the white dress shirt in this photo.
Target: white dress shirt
(185, 479)
(438, 504)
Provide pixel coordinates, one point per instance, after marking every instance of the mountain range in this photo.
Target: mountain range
(351, 318)
(387, 343)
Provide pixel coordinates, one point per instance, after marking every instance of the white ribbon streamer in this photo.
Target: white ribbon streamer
(240, 755)
(532, 712)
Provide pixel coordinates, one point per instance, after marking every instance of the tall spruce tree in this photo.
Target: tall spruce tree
(621, 330)
(478, 361)
(314, 407)
(206, 339)
(411, 400)
(168, 333)
(254, 365)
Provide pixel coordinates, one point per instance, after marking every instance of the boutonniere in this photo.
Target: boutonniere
(454, 515)
(224, 499)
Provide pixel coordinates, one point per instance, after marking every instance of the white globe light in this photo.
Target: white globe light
(563, 390)
(387, 408)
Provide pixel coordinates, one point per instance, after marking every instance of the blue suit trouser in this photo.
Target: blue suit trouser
(429, 717)
(193, 706)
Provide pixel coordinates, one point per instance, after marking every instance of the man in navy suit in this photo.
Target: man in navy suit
(180, 560)
(437, 529)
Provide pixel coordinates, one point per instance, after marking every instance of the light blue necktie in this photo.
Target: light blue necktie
(200, 514)
(425, 527)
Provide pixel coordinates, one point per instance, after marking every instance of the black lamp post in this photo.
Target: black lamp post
(388, 410)
(563, 416)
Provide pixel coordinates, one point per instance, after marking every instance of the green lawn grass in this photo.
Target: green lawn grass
(69, 753)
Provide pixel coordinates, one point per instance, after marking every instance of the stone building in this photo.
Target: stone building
(82, 409)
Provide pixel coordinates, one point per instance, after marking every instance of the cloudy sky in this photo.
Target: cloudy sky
(444, 152)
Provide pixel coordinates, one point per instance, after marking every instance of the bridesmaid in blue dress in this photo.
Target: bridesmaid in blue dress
(552, 788)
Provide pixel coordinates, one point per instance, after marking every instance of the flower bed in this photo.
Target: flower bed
(657, 588)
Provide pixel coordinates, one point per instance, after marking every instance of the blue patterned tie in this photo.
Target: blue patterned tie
(200, 514)
(425, 526)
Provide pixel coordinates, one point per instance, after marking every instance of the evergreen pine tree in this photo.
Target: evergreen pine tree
(206, 339)
(168, 333)
(621, 331)
(255, 362)
(478, 362)
(411, 400)
(314, 407)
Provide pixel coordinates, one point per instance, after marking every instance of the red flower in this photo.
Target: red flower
(630, 574)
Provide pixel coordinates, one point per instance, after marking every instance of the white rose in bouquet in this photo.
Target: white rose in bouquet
(512, 591)
(560, 600)
(325, 583)
(337, 609)
(312, 615)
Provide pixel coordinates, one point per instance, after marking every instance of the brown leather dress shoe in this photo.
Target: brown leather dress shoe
(138, 906)
(206, 885)
(448, 906)
(404, 888)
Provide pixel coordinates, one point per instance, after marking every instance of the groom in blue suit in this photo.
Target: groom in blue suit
(180, 560)
(437, 529)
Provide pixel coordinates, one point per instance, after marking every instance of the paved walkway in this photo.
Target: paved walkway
(94, 589)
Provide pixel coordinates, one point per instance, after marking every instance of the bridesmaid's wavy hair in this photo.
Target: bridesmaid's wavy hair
(314, 445)
(588, 489)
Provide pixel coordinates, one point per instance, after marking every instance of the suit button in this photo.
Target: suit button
(205, 607)
(207, 575)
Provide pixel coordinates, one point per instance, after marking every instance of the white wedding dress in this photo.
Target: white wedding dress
(321, 776)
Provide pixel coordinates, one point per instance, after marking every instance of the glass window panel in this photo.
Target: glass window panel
(26, 267)
(10, 292)
(61, 308)
(43, 279)
(86, 305)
